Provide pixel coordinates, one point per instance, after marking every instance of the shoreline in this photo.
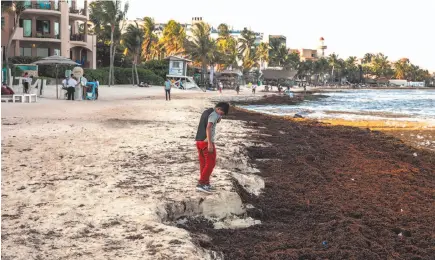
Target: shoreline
(415, 132)
(354, 189)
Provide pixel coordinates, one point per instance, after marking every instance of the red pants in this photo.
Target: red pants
(207, 161)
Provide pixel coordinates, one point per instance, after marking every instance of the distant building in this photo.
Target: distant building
(188, 28)
(280, 38)
(311, 54)
(237, 34)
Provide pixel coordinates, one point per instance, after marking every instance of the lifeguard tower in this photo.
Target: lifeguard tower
(178, 72)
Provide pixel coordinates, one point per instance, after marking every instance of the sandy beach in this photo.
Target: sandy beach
(115, 179)
(105, 179)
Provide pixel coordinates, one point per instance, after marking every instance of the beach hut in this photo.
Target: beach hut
(230, 78)
(278, 76)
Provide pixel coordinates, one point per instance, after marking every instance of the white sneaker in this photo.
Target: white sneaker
(203, 188)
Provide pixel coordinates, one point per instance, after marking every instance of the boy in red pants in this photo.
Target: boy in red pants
(205, 138)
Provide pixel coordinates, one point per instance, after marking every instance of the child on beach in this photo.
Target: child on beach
(205, 138)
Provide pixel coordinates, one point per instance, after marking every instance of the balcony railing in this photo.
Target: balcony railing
(41, 35)
(77, 37)
(42, 6)
(77, 11)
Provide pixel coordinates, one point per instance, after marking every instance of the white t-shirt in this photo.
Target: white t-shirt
(71, 82)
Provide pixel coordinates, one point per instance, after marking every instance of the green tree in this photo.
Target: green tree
(402, 68)
(133, 40)
(151, 48)
(277, 52)
(351, 69)
(381, 66)
(109, 13)
(173, 38)
(263, 53)
(247, 49)
(200, 47)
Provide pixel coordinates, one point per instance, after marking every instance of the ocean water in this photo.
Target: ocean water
(401, 105)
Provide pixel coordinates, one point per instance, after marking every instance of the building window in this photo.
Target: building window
(28, 4)
(56, 30)
(57, 52)
(175, 64)
(42, 52)
(25, 51)
(3, 22)
(43, 4)
(26, 24)
(313, 55)
(43, 27)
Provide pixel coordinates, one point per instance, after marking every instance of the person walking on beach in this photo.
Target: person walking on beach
(237, 88)
(253, 89)
(205, 138)
(168, 89)
(220, 87)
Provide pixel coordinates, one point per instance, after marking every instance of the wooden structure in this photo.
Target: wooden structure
(230, 78)
(274, 77)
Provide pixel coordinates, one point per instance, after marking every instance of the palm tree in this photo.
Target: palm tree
(381, 66)
(109, 13)
(133, 39)
(263, 53)
(247, 48)
(226, 44)
(173, 38)
(231, 54)
(274, 54)
(200, 46)
(321, 66)
(367, 58)
(333, 61)
(151, 49)
(350, 68)
(402, 68)
(16, 8)
(223, 32)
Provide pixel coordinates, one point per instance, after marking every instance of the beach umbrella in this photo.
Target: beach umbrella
(56, 60)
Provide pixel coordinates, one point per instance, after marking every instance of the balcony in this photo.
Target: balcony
(44, 8)
(77, 11)
(37, 37)
(82, 40)
(77, 37)
(79, 14)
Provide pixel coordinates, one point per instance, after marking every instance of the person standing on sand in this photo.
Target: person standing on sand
(253, 89)
(26, 83)
(168, 89)
(237, 88)
(205, 138)
(70, 84)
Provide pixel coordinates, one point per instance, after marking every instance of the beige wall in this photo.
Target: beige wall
(65, 18)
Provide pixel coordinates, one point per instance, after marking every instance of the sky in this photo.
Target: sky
(397, 28)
